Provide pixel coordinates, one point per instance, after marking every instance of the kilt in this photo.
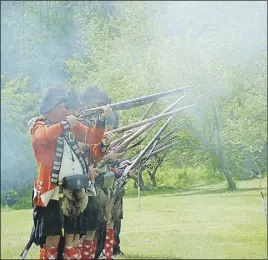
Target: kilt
(93, 213)
(47, 222)
(116, 213)
(95, 210)
(121, 208)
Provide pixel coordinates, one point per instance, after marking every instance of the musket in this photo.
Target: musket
(146, 127)
(147, 111)
(125, 175)
(149, 130)
(154, 152)
(162, 143)
(146, 149)
(120, 148)
(167, 138)
(150, 126)
(116, 150)
(137, 132)
(168, 134)
(125, 143)
(28, 245)
(121, 139)
(146, 159)
(149, 120)
(136, 161)
(135, 102)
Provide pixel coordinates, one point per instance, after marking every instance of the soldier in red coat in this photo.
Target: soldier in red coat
(54, 140)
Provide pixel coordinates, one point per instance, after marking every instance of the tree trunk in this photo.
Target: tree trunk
(141, 181)
(22, 42)
(47, 13)
(152, 178)
(152, 173)
(231, 183)
(40, 17)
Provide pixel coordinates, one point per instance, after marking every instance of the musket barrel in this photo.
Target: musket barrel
(149, 120)
(149, 126)
(121, 139)
(145, 150)
(138, 132)
(132, 102)
(126, 142)
(160, 150)
(168, 134)
(165, 142)
(147, 111)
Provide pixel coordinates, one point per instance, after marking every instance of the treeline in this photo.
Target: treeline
(135, 48)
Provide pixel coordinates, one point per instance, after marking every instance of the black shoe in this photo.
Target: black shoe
(118, 253)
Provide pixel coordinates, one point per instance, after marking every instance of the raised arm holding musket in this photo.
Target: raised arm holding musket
(92, 153)
(102, 184)
(112, 207)
(61, 168)
(96, 205)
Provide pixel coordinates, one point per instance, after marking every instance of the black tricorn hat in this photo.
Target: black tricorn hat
(52, 99)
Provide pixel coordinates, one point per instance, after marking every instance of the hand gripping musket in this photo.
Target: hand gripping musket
(132, 102)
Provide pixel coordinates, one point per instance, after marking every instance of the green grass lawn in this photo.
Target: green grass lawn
(201, 222)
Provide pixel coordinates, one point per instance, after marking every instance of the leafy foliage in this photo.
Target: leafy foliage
(137, 48)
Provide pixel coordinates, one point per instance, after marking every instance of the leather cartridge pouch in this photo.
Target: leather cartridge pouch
(105, 180)
(75, 182)
(108, 180)
(75, 197)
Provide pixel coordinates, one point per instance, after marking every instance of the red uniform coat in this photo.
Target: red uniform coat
(44, 145)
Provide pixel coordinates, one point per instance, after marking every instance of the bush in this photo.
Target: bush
(17, 199)
(24, 202)
(186, 176)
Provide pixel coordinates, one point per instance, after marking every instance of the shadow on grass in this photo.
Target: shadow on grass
(143, 257)
(155, 191)
(190, 192)
(171, 191)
